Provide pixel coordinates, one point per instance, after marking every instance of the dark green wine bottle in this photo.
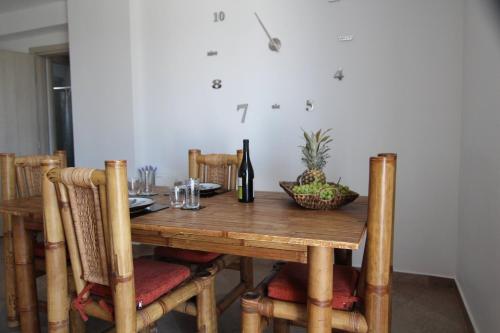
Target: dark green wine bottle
(245, 176)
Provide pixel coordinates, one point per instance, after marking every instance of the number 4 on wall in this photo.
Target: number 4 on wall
(243, 107)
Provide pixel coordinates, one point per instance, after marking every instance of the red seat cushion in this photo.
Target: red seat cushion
(152, 280)
(190, 256)
(290, 284)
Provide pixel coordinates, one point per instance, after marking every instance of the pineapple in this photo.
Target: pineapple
(315, 154)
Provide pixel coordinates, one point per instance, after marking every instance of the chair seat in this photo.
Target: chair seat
(152, 279)
(189, 256)
(290, 284)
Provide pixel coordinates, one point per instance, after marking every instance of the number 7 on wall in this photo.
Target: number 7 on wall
(243, 107)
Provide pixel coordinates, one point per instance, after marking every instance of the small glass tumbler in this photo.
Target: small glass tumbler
(134, 186)
(192, 194)
(177, 195)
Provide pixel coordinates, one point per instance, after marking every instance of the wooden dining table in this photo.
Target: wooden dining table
(272, 227)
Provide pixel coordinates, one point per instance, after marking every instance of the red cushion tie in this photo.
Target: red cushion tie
(79, 302)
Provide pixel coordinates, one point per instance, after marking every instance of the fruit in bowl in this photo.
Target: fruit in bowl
(314, 156)
(325, 191)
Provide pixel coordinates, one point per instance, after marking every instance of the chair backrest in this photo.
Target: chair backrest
(24, 173)
(215, 168)
(92, 205)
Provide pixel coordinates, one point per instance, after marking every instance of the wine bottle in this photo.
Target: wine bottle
(245, 176)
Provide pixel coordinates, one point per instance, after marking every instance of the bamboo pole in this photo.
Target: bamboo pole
(172, 300)
(205, 304)
(25, 277)
(250, 316)
(319, 289)
(379, 241)
(246, 272)
(230, 297)
(295, 313)
(55, 255)
(63, 158)
(193, 163)
(121, 247)
(8, 178)
(188, 308)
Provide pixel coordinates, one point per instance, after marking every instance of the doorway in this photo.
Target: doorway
(61, 135)
(59, 103)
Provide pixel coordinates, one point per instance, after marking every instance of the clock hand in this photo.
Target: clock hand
(274, 43)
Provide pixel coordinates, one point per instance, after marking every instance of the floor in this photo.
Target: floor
(421, 304)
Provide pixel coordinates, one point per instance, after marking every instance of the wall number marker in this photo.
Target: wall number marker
(339, 74)
(212, 53)
(309, 105)
(276, 106)
(243, 107)
(345, 38)
(217, 84)
(219, 16)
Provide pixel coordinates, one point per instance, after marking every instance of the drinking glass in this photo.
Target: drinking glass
(148, 178)
(134, 186)
(192, 194)
(177, 195)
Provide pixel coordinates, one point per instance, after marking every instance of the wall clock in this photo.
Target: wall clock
(274, 44)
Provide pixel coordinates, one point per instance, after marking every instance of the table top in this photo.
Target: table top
(272, 217)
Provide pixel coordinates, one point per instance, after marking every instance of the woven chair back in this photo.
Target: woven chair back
(216, 168)
(82, 200)
(29, 173)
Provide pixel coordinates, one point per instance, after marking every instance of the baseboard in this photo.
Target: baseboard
(427, 274)
(466, 308)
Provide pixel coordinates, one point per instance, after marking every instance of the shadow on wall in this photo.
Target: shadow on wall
(495, 9)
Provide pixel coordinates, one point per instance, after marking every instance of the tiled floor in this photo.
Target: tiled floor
(420, 305)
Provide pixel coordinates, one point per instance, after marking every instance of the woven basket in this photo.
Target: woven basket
(311, 201)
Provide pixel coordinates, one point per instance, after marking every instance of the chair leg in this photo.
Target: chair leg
(281, 325)
(246, 272)
(76, 323)
(205, 304)
(250, 317)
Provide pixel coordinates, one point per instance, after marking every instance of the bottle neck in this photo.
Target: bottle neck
(246, 150)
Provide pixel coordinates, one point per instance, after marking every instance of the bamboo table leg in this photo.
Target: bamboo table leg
(10, 273)
(320, 284)
(25, 277)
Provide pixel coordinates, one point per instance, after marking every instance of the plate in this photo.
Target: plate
(209, 187)
(135, 204)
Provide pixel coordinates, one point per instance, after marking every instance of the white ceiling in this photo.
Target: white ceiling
(11, 5)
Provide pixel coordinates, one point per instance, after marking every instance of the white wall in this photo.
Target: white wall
(402, 93)
(101, 81)
(478, 271)
(141, 91)
(41, 25)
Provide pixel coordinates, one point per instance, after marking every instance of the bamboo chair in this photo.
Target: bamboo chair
(361, 301)
(88, 209)
(21, 178)
(220, 169)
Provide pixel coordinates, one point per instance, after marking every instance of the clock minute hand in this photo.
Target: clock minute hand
(273, 42)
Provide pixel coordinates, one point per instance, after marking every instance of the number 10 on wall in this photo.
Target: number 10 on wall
(219, 16)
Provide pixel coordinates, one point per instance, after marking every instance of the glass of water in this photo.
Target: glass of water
(192, 194)
(134, 186)
(177, 195)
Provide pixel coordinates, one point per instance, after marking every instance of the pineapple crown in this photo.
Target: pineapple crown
(315, 151)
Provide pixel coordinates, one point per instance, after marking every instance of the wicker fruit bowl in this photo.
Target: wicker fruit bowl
(313, 201)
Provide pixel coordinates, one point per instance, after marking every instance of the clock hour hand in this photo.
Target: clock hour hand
(274, 43)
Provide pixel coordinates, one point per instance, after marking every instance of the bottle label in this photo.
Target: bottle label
(240, 188)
